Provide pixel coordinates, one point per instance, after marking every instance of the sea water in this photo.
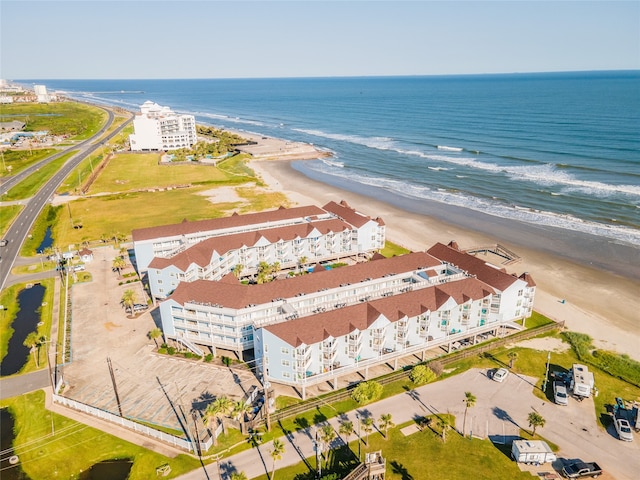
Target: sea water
(557, 149)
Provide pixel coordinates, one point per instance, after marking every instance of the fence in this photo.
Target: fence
(446, 359)
(178, 442)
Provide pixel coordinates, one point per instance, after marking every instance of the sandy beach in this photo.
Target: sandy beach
(597, 302)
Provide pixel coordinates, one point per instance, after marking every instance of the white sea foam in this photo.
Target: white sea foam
(437, 169)
(495, 208)
(379, 143)
(449, 149)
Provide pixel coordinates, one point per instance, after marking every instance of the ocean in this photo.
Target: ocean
(554, 149)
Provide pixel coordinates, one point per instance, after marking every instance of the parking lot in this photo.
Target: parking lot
(147, 383)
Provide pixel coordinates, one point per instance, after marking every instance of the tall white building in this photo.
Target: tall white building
(159, 128)
(41, 93)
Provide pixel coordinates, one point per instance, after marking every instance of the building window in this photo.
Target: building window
(286, 375)
(285, 363)
(284, 351)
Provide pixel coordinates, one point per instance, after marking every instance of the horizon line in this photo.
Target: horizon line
(630, 70)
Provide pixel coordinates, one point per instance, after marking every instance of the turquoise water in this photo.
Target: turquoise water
(558, 149)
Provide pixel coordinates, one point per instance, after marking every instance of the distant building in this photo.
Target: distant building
(86, 255)
(159, 128)
(13, 126)
(41, 93)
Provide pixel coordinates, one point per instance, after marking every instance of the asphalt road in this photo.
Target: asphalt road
(21, 384)
(21, 227)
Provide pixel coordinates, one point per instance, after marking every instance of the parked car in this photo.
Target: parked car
(78, 268)
(581, 470)
(624, 429)
(138, 307)
(3, 242)
(560, 393)
(500, 374)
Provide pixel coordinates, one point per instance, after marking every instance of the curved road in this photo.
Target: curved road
(20, 228)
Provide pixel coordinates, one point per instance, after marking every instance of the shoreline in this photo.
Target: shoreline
(602, 306)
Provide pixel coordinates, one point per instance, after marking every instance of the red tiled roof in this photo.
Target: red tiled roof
(201, 252)
(235, 220)
(475, 266)
(526, 276)
(344, 211)
(239, 296)
(335, 323)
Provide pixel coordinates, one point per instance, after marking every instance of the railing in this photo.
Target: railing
(444, 360)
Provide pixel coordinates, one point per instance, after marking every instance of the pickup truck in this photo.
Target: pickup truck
(581, 470)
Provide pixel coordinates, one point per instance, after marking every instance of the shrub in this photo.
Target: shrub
(208, 357)
(188, 355)
(171, 350)
(162, 350)
(367, 392)
(421, 374)
(436, 367)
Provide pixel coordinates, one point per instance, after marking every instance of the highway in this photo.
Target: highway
(22, 225)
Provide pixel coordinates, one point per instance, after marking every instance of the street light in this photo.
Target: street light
(546, 375)
(359, 439)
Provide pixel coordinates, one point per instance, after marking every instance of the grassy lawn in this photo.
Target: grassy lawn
(14, 161)
(124, 173)
(421, 455)
(35, 267)
(30, 185)
(9, 299)
(79, 175)
(75, 447)
(7, 215)
(77, 120)
(391, 250)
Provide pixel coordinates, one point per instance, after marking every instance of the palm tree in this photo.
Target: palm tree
(128, 299)
(536, 420)
(346, 429)
(469, 401)
(237, 270)
(32, 341)
(119, 264)
(301, 261)
(154, 334)
(241, 409)
(385, 423)
(367, 426)
(239, 476)
(276, 454)
(222, 406)
(328, 434)
(512, 358)
(443, 423)
(209, 416)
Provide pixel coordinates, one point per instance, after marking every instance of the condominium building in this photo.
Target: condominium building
(292, 238)
(159, 128)
(317, 327)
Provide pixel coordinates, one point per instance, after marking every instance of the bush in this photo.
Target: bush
(436, 367)
(188, 355)
(227, 361)
(162, 350)
(421, 374)
(171, 350)
(367, 392)
(208, 357)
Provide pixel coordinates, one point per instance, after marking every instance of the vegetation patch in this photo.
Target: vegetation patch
(8, 214)
(14, 161)
(30, 185)
(392, 250)
(77, 120)
(52, 446)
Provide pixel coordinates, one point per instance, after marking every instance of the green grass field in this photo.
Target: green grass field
(30, 185)
(14, 161)
(78, 120)
(8, 214)
(75, 447)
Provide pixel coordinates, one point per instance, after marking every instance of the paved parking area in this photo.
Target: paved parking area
(101, 329)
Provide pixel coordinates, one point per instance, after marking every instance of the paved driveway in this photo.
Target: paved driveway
(501, 409)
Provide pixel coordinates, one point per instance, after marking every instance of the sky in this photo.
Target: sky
(58, 39)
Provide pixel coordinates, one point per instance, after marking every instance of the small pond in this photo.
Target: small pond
(7, 470)
(26, 321)
(47, 241)
(109, 470)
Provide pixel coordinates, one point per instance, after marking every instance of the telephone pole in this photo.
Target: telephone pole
(115, 387)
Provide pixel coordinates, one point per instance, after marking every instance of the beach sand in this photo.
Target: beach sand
(600, 303)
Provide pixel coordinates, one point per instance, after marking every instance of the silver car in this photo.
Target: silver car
(500, 374)
(560, 393)
(624, 429)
